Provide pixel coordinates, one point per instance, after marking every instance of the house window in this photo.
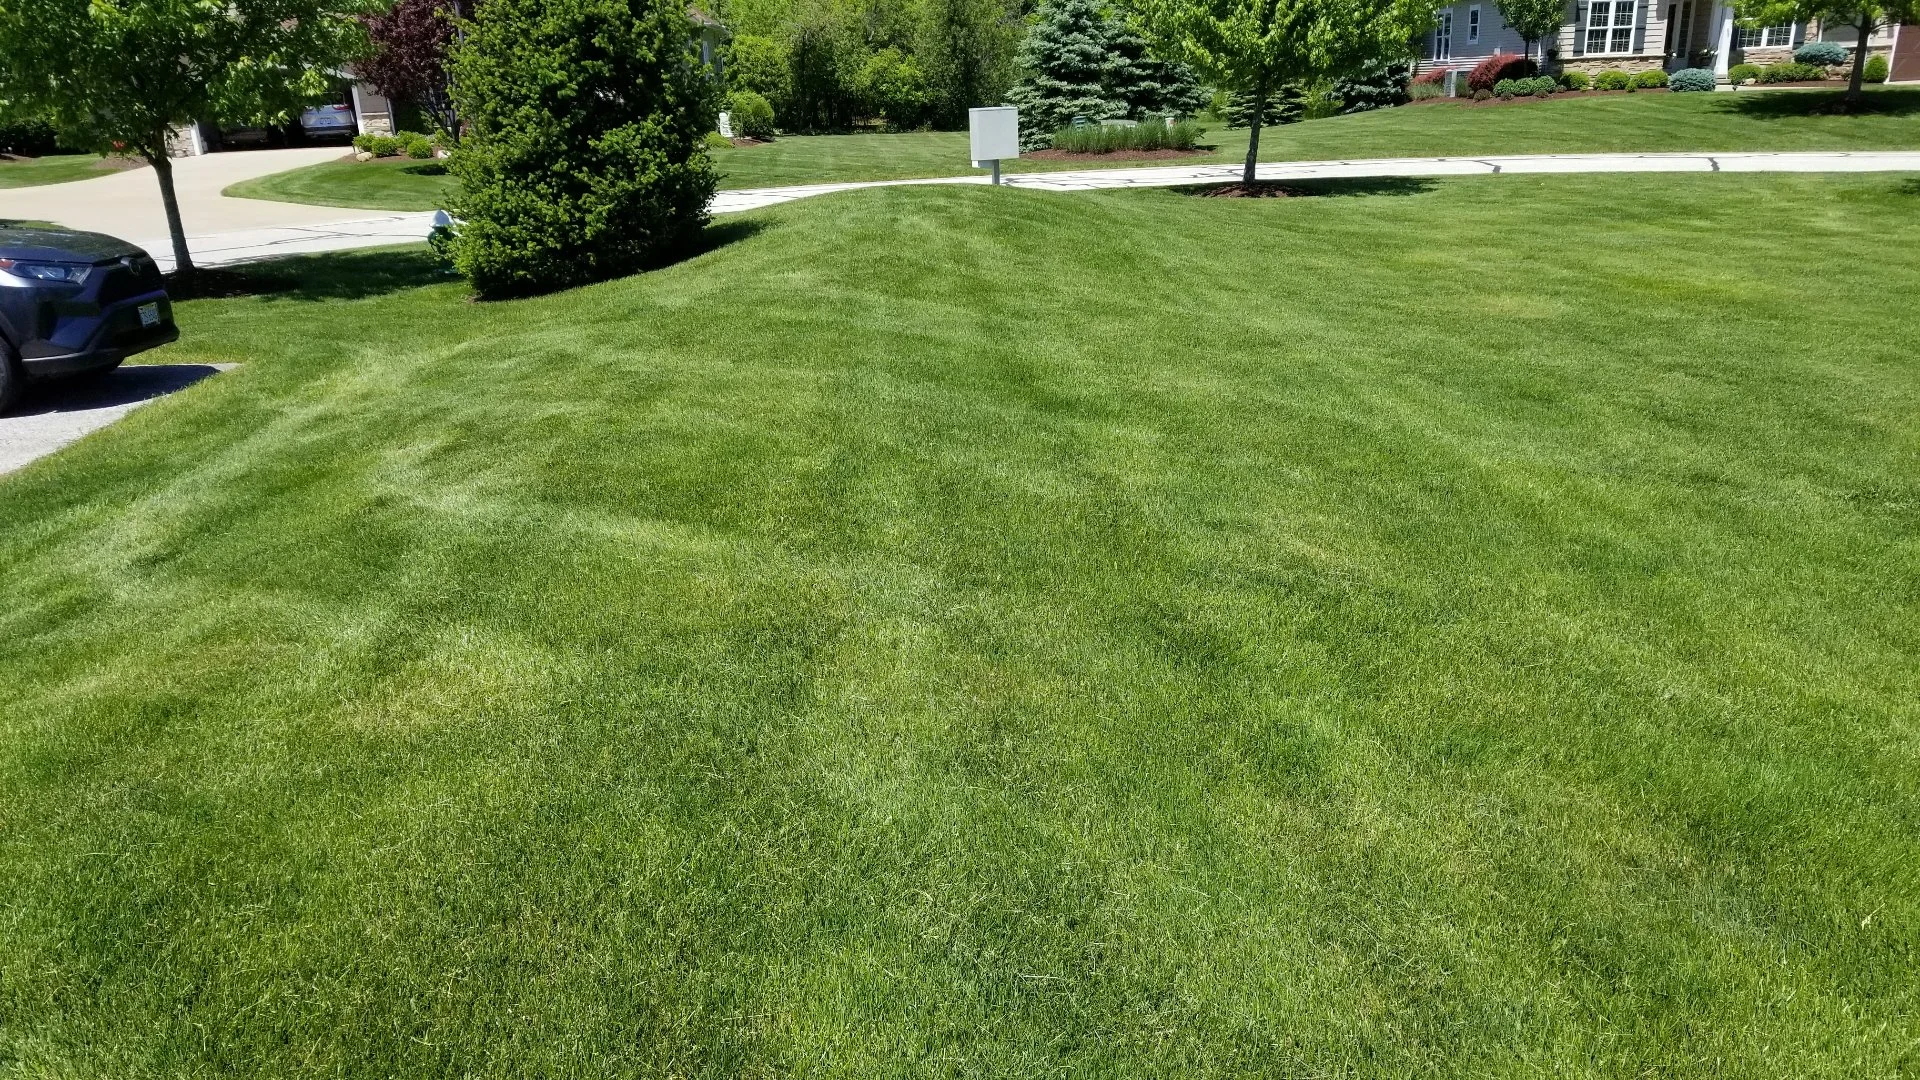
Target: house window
(1766, 37)
(1473, 25)
(1443, 37)
(1610, 26)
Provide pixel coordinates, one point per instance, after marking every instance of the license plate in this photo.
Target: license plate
(149, 315)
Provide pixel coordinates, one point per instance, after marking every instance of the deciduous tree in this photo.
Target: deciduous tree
(1865, 17)
(1256, 46)
(1534, 20)
(408, 61)
(121, 75)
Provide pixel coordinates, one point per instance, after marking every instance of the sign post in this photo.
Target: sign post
(995, 136)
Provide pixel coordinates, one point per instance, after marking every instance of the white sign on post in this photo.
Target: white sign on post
(995, 136)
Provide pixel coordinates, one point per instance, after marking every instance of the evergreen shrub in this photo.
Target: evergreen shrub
(585, 156)
(1691, 80)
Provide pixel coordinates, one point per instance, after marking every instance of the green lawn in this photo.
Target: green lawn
(383, 184)
(1792, 120)
(1452, 629)
(52, 169)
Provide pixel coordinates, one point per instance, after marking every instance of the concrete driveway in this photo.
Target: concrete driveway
(219, 229)
(53, 414)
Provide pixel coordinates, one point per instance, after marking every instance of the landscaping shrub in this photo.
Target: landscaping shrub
(1690, 80)
(1382, 86)
(1576, 80)
(717, 141)
(1876, 70)
(1791, 72)
(27, 138)
(1741, 74)
(1613, 79)
(586, 155)
(1426, 91)
(751, 114)
(377, 144)
(1540, 86)
(409, 143)
(1146, 135)
(1650, 80)
(1482, 95)
(1821, 53)
(1500, 66)
(1430, 77)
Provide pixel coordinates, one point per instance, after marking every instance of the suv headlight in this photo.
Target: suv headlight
(69, 273)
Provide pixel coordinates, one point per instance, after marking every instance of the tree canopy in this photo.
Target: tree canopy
(1534, 20)
(1081, 60)
(1256, 46)
(121, 75)
(1864, 16)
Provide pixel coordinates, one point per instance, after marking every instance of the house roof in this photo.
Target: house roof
(701, 18)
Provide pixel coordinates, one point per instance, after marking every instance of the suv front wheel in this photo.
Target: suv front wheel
(11, 378)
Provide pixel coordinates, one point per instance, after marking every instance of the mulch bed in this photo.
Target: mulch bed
(1472, 104)
(1117, 155)
(1256, 190)
(750, 142)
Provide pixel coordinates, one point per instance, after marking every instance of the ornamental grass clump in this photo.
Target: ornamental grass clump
(1146, 135)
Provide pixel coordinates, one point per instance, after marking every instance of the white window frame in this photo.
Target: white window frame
(1443, 36)
(1765, 37)
(1473, 25)
(1610, 22)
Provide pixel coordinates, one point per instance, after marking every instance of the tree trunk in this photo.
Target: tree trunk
(1859, 77)
(1253, 128)
(163, 172)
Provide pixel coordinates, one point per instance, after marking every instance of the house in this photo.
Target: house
(1640, 35)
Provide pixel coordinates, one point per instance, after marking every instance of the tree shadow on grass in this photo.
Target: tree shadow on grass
(369, 272)
(1784, 104)
(715, 236)
(336, 275)
(1329, 187)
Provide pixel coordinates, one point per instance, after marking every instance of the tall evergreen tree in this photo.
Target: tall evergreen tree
(1287, 104)
(1081, 60)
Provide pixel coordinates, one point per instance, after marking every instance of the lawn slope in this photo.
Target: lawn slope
(53, 169)
(1467, 629)
(1645, 122)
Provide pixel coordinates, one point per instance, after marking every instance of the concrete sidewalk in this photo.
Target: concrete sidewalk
(222, 230)
(1373, 168)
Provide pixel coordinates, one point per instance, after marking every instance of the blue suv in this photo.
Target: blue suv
(74, 302)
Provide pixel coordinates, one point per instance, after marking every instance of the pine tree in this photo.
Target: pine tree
(1064, 71)
(1285, 105)
(1081, 60)
(1148, 84)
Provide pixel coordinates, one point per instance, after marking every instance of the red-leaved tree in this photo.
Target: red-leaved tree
(409, 61)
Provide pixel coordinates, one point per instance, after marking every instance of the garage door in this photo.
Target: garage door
(1906, 55)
